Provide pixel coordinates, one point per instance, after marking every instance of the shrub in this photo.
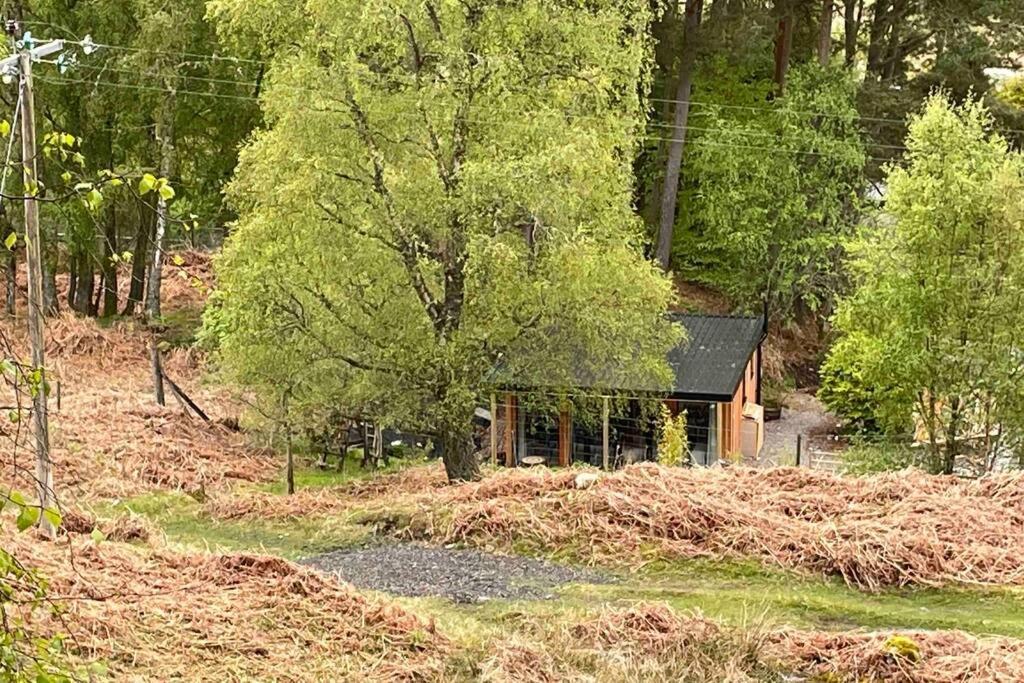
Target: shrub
(673, 445)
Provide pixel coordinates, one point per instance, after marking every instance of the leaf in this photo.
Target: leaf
(147, 183)
(53, 516)
(5, 128)
(67, 139)
(116, 182)
(11, 240)
(166, 192)
(27, 517)
(81, 187)
(97, 536)
(16, 498)
(178, 260)
(94, 198)
(66, 176)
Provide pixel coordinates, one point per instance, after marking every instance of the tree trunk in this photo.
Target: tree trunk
(893, 60)
(459, 458)
(50, 259)
(157, 371)
(852, 11)
(72, 280)
(825, 33)
(783, 45)
(165, 136)
(12, 282)
(670, 186)
(110, 249)
(290, 464)
(139, 260)
(86, 281)
(877, 36)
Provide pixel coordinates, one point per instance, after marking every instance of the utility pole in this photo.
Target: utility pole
(22, 61)
(41, 429)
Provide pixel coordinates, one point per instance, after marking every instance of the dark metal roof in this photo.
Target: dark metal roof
(709, 363)
(706, 366)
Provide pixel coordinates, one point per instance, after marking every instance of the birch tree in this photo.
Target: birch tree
(442, 195)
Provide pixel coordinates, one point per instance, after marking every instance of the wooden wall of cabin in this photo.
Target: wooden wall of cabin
(730, 415)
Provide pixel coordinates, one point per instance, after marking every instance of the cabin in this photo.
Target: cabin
(716, 380)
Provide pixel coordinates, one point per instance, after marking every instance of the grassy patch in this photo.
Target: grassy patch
(736, 591)
(740, 593)
(309, 476)
(184, 522)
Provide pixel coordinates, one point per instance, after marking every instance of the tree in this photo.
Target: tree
(441, 198)
(670, 186)
(938, 313)
(777, 195)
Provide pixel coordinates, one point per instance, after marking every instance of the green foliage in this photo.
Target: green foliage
(1012, 92)
(867, 403)
(871, 456)
(439, 210)
(775, 193)
(24, 657)
(933, 329)
(673, 445)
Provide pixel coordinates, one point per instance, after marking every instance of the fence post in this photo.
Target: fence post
(604, 434)
(799, 444)
(494, 429)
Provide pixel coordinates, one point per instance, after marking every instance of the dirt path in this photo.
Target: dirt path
(463, 575)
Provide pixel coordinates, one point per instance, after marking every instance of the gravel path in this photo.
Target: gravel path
(460, 574)
(804, 414)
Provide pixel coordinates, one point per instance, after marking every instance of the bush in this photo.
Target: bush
(870, 458)
(673, 445)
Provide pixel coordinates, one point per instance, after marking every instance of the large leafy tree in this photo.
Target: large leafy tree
(935, 325)
(776, 194)
(441, 198)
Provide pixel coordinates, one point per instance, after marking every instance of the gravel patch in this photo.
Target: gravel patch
(463, 575)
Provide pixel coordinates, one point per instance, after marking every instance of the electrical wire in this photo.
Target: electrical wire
(394, 78)
(695, 142)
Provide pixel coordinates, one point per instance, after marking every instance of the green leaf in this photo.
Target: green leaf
(11, 240)
(53, 516)
(97, 536)
(17, 498)
(68, 139)
(27, 517)
(5, 128)
(66, 176)
(147, 183)
(166, 192)
(94, 198)
(178, 260)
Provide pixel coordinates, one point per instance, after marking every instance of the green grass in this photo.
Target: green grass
(738, 592)
(185, 523)
(741, 592)
(309, 476)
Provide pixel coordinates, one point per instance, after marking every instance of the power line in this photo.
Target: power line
(250, 98)
(411, 81)
(650, 124)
